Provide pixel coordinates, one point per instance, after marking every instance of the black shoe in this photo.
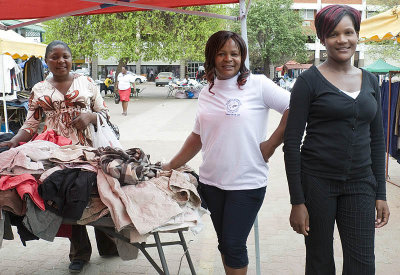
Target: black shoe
(76, 266)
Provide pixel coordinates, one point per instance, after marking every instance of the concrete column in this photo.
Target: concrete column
(95, 72)
(361, 55)
(182, 68)
(271, 71)
(317, 54)
(364, 10)
(138, 66)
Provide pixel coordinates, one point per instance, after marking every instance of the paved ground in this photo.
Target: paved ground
(159, 126)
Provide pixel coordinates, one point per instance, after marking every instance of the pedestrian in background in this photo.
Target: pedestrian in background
(230, 130)
(339, 172)
(125, 80)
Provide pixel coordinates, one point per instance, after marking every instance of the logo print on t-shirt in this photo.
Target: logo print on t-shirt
(232, 106)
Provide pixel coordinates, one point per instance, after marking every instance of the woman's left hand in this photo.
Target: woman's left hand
(267, 150)
(382, 213)
(82, 121)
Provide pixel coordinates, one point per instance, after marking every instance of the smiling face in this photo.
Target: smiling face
(59, 61)
(341, 43)
(228, 60)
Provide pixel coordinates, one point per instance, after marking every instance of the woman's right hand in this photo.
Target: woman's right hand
(166, 166)
(9, 143)
(299, 219)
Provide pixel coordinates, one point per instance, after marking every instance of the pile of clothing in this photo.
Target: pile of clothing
(47, 181)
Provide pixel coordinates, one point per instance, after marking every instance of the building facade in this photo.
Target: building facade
(31, 32)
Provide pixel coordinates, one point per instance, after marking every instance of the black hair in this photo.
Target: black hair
(214, 44)
(327, 19)
(54, 44)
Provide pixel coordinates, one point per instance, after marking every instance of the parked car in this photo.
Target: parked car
(83, 71)
(138, 78)
(164, 78)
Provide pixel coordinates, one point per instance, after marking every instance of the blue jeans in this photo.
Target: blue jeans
(233, 213)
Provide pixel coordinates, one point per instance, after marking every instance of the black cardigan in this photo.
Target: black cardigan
(344, 136)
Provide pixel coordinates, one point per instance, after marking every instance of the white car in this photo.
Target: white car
(138, 78)
(83, 71)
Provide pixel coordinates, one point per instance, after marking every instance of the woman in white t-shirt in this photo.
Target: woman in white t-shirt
(230, 130)
(124, 88)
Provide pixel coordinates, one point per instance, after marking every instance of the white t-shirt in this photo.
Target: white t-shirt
(232, 124)
(125, 80)
(352, 94)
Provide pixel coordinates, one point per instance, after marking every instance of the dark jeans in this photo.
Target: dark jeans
(81, 248)
(352, 205)
(233, 214)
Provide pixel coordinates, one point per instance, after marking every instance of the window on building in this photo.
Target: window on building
(192, 67)
(308, 14)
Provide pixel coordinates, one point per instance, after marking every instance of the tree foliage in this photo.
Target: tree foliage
(384, 3)
(146, 35)
(275, 34)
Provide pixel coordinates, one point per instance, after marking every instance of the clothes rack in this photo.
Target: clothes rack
(391, 73)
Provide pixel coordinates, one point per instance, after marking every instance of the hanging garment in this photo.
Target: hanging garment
(6, 65)
(10, 201)
(35, 71)
(24, 234)
(66, 192)
(24, 184)
(43, 224)
(393, 151)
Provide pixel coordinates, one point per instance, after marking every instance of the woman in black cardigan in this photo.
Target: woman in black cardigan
(339, 172)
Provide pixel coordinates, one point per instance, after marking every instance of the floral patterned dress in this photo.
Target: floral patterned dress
(59, 109)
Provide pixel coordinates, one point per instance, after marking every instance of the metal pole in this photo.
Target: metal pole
(243, 28)
(4, 94)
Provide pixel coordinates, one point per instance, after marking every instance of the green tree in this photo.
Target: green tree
(386, 4)
(145, 35)
(275, 34)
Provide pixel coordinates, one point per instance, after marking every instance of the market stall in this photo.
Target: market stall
(384, 26)
(13, 46)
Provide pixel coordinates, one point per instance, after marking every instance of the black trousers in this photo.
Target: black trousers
(352, 205)
(233, 213)
(81, 248)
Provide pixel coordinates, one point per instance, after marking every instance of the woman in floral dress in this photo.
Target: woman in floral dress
(69, 103)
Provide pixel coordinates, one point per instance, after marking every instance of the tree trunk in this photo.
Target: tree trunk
(266, 67)
(122, 62)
